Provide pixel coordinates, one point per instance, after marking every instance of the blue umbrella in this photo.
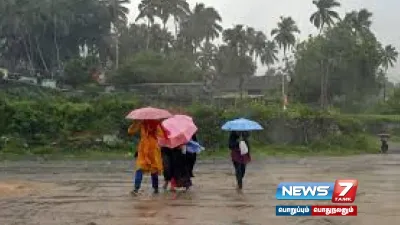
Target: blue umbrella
(241, 125)
(194, 147)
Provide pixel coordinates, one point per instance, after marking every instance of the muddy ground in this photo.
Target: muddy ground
(76, 192)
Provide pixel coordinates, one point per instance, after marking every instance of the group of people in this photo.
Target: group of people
(176, 164)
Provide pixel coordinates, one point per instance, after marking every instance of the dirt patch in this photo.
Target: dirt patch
(13, 188)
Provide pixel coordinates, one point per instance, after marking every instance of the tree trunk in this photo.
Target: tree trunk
(241, 86)
(148, 34)
(41, 55)
(28, 49)
(326, 80)
(115, 21)
(322, 71)
(28, 55)
(56, 45)
(116, 46)
(116, 51)
(176, 27)
(283, 82)
(165, 41)
(322, 102)
(384, 87)
(384, 91)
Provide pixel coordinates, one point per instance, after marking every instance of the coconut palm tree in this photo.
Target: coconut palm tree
(147, 9)
(206, 56)
(237, 39)
(251, 36)
(389, 58)
(211, 21)
(118, 13)
(360, 21)
(202, 24)
(258, 45)
(240, 63)
(325, 15)
(269, 54)
(284, 35)
(179, 9)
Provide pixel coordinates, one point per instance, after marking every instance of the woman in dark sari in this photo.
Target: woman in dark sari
(166, 154)
(177, 169)
(239, 161)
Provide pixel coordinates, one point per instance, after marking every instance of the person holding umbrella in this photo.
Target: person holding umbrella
(181, 129)
(148, 159)
(180, 172)
(239, 159)
(239, 145)
(178, 164)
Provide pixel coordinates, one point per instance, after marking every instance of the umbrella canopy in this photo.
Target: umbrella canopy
(194, 147)
(148, 113)
(180, 129)
(241, 125)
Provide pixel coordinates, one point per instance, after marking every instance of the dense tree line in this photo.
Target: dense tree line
(344, 63)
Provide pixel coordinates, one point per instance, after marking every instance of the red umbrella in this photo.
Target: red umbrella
(148, 113)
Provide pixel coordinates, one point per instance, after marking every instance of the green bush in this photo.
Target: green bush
(78, 70)
(151, 67)
(353, 141)
(77, 123)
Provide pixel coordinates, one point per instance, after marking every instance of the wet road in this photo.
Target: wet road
(80, 193)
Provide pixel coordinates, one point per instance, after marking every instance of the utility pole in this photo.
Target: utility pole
(384, 90)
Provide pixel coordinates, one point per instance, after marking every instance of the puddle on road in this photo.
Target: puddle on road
(85, 196)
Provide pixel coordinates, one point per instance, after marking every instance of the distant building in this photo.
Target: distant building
(252, 86)
(3, 73)
(49, 83)
(29, 80)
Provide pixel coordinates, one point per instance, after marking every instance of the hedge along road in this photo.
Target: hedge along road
(76, 192)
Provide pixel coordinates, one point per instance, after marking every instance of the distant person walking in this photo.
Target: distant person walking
(239, 159)
(384, 142)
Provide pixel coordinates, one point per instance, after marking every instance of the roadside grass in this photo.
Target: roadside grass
(261, 151)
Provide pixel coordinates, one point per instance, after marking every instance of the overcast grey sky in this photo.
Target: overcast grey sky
(264, 15)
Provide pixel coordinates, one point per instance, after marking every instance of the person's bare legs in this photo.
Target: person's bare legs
(173, 185)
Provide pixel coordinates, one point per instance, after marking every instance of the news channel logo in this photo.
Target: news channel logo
(340, 191)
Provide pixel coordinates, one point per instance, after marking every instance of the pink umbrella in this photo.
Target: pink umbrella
(180, 131)
(148, 113)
